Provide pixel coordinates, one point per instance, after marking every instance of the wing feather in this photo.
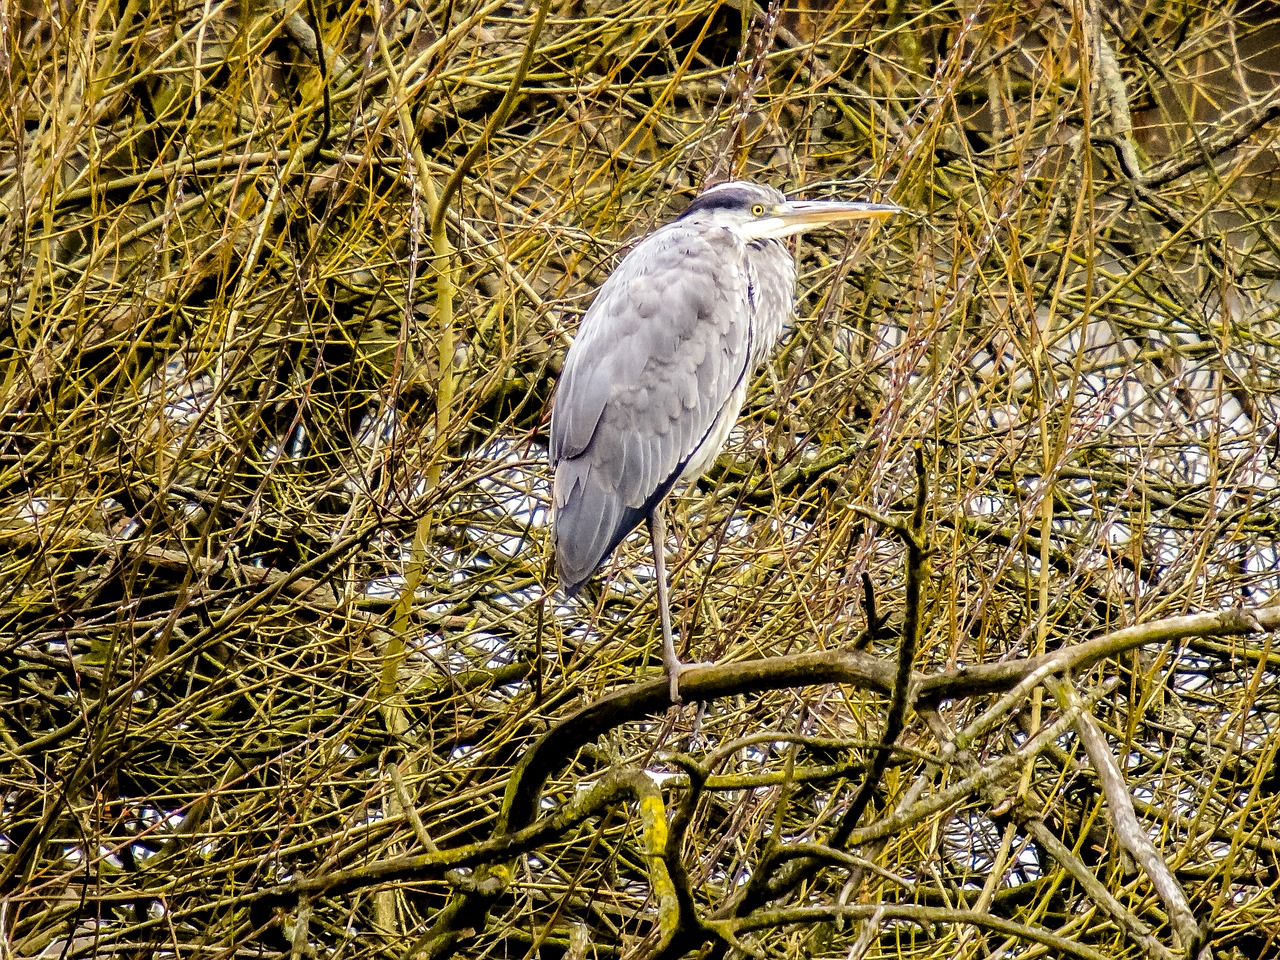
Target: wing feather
(661, 353)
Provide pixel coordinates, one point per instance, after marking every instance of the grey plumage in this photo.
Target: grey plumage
(657, 375)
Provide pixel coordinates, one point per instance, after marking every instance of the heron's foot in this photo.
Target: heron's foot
(674, 669)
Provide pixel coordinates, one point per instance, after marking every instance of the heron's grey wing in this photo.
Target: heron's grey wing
(662, 350)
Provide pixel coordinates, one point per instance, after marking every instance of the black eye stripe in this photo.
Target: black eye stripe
(726, 198)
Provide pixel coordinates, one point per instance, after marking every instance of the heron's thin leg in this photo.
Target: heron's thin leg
(658, 537)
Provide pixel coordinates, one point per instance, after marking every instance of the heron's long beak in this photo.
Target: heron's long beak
(796, 216)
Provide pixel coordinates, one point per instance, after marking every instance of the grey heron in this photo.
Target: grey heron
(660, 367)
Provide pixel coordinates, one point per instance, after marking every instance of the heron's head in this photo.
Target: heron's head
(755, 211)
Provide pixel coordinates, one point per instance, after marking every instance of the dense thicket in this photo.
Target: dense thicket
(284, 290)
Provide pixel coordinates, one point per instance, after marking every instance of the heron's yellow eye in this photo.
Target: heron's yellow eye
(757, 210)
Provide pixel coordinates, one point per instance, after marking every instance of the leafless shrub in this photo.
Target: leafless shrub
(990, 568)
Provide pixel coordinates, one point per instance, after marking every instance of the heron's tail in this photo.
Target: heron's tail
(588, 526)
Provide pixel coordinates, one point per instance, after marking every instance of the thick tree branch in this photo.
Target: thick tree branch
(1129, 832)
